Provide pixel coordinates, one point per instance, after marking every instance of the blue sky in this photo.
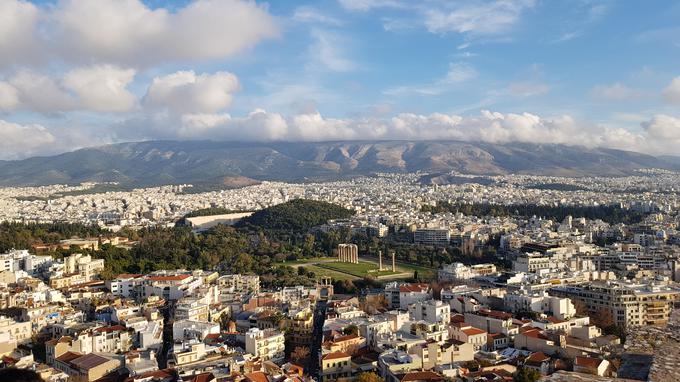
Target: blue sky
(75, 73)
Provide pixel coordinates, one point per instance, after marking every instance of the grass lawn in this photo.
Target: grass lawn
(362, 269)
(311, 260)
(320, 271)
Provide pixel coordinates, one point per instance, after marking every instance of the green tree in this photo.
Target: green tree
(351, 329)
(526, 374)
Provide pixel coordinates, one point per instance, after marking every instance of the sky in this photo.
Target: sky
(78, 73)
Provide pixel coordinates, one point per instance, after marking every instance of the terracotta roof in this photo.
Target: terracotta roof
(68, 356)
(591, 363)
(495, 314)
(538, 357)
(413, 288)
(109, 329)
(420, 376)
(257, 376)
(89, 361)
(345, 338)
(168, 278)
(554, 320)
(203, 377)
(535, 333)
(473, 331)
(335, 355)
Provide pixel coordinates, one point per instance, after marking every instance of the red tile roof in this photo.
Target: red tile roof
(473, 331)
(407, 288)
(168, 278)
(68, 356)
(421, 376)
(335, 355)
(257, 376)
(109, 329)
(538, 357)
(591, 363)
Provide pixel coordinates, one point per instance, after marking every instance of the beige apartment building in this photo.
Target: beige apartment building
(630, 304)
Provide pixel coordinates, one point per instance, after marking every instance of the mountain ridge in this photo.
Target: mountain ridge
(150, 163)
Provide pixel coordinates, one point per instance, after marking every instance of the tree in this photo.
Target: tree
(527, 375)
(368, 377)
(351, 329)
(603, 318)
(300, 353)
(580, 307)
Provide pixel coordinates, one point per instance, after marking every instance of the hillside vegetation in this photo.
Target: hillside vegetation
(295, 215)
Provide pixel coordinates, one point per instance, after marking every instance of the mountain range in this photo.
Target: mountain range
(229, 164)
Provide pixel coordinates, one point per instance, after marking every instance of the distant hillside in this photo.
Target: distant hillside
(228, 164)
(296, 215)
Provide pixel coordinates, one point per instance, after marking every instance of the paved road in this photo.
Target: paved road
(317, 338)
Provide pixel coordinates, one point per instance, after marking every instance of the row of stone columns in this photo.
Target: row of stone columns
(348, 253)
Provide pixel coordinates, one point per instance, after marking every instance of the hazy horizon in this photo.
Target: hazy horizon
(81, 73)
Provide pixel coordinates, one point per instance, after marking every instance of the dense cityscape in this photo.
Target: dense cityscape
(339, 191)
(391, 277)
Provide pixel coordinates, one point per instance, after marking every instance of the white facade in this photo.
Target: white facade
(267, 344)
(433, 311)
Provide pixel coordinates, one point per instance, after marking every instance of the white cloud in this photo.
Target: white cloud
(615, 92)
(327, 50)
(492, 127)
(528, 89)
(18, 141)
(9, 97)
(672, 92)
(130, 33)
(367, 5)
(459, 72)
(256, 126)
(663, 128)
(95, 88)
(102, 88)
(474, 17)
(17, 31)
(186, 92)
(479, 18)
(41, 93)
(305, 14)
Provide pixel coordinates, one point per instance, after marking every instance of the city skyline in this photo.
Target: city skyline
(81, 73)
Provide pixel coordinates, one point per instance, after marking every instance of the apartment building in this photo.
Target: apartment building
(400, 296)
(433, 311)
(192, 311)
(432, 236)
(336, 366)
(630, 304)
(268, 344)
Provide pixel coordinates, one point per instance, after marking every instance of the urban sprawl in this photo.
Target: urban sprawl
(457, 282)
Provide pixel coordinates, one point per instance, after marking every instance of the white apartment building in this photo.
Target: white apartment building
(561, 308)
(400, 296)
(15, 331)
(433, 311)
(83, 265)
(192, 311)
(193, 330)
(125, 285)
(459, 271)
(268, 344)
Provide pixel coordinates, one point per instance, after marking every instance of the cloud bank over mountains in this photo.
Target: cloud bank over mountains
(79, 72)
